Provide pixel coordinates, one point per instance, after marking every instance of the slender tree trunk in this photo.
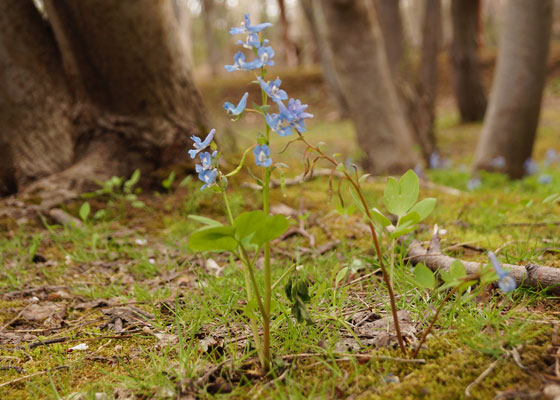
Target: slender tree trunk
(363, 72)
(390, 21)
(511, 121)
(428, 76)
(467, 75)
(325, 57)
(208, 16)
(35, 121)
(288, 49)
(135, 103)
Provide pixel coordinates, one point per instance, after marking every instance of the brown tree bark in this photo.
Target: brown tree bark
(135, 103)
(35, 124)
(467, 75)
(326, 59)
(363, 72)
(390, 21)
(209, 18)
(511, 121)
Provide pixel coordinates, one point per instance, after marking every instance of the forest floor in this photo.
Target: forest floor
(118, 307)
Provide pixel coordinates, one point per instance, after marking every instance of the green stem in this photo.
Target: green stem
(386, 278)
(267, 274)
(246, 275)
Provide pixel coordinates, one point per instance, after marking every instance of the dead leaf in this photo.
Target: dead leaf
(129, 316)
(166, 339)
(40, 312)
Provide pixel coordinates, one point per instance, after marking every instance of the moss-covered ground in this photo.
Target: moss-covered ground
(162, 322)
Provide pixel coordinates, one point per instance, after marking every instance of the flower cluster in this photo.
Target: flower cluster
(505, 282)
(290, 116)
(207, 169)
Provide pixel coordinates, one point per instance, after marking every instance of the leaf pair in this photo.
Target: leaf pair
(253, 228)
(298, 293)
(425, 278)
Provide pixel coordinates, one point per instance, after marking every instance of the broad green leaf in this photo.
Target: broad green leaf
(402, 230)
(424, 277)
(273, 227)
(205, 220)
(409, 219)
(248, 223)
(424, 207)
(340, 276)
(85, 209)
(401, 195)
(216, 238)
(133, 180)
(138, 204)
(456, 270)
(378, 217)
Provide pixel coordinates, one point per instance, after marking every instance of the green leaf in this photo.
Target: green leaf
(99, 214)
(402, 230)
(340, 276)
(456, 270)
(401, 195)
(553, 197)
(205, 220)
(273, 227)
(85, 209)
(424, 207)
(168, 181)
(248, 223)
(131, 182)
(378, 217)
(216, 238)
(409, 219)
(424, 277)
(138, 204)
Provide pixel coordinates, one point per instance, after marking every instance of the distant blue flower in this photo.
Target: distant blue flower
(247, 28)
(531, 167)
(242, 65)
(265, 55)
(551, 157)
(545, 179)
(262, 155)
(506, 282)
(208, 176)
(236, 110)
(200, 145)
(473, 183)
(498, 162)
(434, 160)
(272, 89)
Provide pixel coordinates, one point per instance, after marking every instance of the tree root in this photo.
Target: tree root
(529, 275)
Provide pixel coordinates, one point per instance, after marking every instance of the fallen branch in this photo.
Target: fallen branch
(529, 275)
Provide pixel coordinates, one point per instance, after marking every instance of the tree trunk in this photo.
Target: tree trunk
(390, 21)
(135, 100)
(35, 124)
(363, 71)
(208, 19)
(325, 57)
(428, 77)
(467, 75)
(511, 121)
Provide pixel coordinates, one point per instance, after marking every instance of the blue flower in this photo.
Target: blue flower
(531, 167)
(208, 176)
(498, 162)
(236, 110)
(551, 157)
(262, 155)
(247, 28)
(434, 160)
(295, 114)
(252, 41)
(278, 124)
(505, 282)
(474, 183)
(241, 64)
(200, 145)
(265, 55)
(545, 179)
(206, 161)
(272, 89)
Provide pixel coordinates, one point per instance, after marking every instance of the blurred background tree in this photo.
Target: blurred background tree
(92, 89)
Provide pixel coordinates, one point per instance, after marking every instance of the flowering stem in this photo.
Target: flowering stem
(246, 275)
(375, 239)
(267, 274)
